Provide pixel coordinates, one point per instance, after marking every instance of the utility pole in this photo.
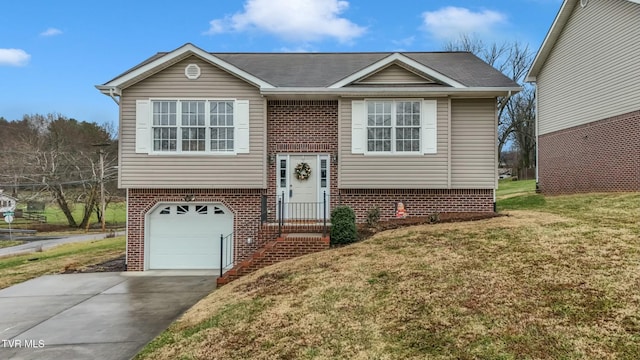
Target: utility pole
(102, 204)
(102, 200)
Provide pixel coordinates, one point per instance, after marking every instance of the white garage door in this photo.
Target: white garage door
(187, 236)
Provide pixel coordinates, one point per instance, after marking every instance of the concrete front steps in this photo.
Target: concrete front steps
(288, 246)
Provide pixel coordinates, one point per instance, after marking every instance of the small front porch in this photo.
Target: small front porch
(290, 230)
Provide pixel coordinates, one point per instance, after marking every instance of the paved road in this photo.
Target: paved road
(32, 246)
(107, 316)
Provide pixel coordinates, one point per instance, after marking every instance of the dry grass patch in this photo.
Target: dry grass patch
(19, 268)
(537, 285)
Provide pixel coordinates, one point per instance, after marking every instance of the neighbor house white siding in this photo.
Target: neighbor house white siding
(593, 70)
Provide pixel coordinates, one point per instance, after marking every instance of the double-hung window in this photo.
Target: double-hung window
(402, 127)
(193, 126)
(221, 121)
(393, 126)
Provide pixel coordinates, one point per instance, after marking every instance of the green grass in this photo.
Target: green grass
(515, 195)
(116, 214)
(10, 243)
(556, 279)
(507, 187)
(19, 268)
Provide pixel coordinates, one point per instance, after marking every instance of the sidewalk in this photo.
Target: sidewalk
(32, 246)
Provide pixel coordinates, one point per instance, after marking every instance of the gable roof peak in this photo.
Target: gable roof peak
(397, 58)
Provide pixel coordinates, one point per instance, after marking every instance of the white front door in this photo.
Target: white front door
(302, 199)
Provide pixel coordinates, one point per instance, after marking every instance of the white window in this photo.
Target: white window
(192, 126)
(393, 126)
(390, 126)
(221, 121)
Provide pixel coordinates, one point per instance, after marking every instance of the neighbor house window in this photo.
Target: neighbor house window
(184, 126)
(393, 126)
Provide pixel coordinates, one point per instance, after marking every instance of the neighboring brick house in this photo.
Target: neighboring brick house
(210, 143)
(588, 112)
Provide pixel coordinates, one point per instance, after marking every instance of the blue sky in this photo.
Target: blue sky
(52, 53)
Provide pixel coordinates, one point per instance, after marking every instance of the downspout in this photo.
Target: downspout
(537, 140)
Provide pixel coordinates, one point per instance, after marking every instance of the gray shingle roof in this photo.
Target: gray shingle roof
(324, 69)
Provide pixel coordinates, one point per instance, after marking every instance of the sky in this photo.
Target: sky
(53, 53)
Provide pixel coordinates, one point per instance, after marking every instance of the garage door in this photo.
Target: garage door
(187, 236)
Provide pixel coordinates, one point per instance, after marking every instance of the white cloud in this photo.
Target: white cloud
(295, 20)
(450, 22)
(304, 48)
(51, 32)
(14, 57)
(408, 41)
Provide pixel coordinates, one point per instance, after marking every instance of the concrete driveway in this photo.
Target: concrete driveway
(93, 316)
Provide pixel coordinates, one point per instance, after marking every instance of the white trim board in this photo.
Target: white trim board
(183, 52)
(400, 59)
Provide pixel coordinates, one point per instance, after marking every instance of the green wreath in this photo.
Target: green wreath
(303, 171)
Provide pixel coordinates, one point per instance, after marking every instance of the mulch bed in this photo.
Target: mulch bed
(118, 264)
(365, 231)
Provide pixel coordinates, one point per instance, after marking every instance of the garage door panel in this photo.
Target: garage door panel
(187, 236)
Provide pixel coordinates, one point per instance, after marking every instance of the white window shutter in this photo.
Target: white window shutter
(143, 126)
(358, 129)
(429, 126)
(242, 127)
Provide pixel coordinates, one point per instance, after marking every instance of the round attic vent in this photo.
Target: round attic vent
(192, 71)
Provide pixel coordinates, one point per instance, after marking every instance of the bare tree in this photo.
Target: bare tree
(54, 154)
(512, 59)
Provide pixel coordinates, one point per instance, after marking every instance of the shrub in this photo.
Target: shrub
(343, 225)
(373, 216)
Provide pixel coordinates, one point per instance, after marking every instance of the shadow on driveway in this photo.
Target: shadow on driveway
(94, 315)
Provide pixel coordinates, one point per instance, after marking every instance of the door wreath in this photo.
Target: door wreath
(303, 171)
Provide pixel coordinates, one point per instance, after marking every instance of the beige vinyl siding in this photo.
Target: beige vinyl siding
(394, 74)
(357, 171)
(593, 70)
(193, 171)
(473, 144)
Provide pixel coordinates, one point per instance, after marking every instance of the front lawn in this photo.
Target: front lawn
(19, 268)
(509, 188)
(116, 214)
(557, 279)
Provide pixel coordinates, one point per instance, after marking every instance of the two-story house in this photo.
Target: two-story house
(588, 98)
(212, 142)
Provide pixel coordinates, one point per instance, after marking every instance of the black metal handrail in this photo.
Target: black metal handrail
(313, 213)
(302, 212)
(226, 241)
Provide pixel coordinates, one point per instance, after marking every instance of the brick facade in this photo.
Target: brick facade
(600, 156)
(302, 127)
(294, 127)
(245, 205)
(418, 202)
(283, 248)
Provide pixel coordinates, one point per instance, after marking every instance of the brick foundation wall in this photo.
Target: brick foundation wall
(601, 156)
(244, 203)
(418, 202)
(302, 126)
(289, 248)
